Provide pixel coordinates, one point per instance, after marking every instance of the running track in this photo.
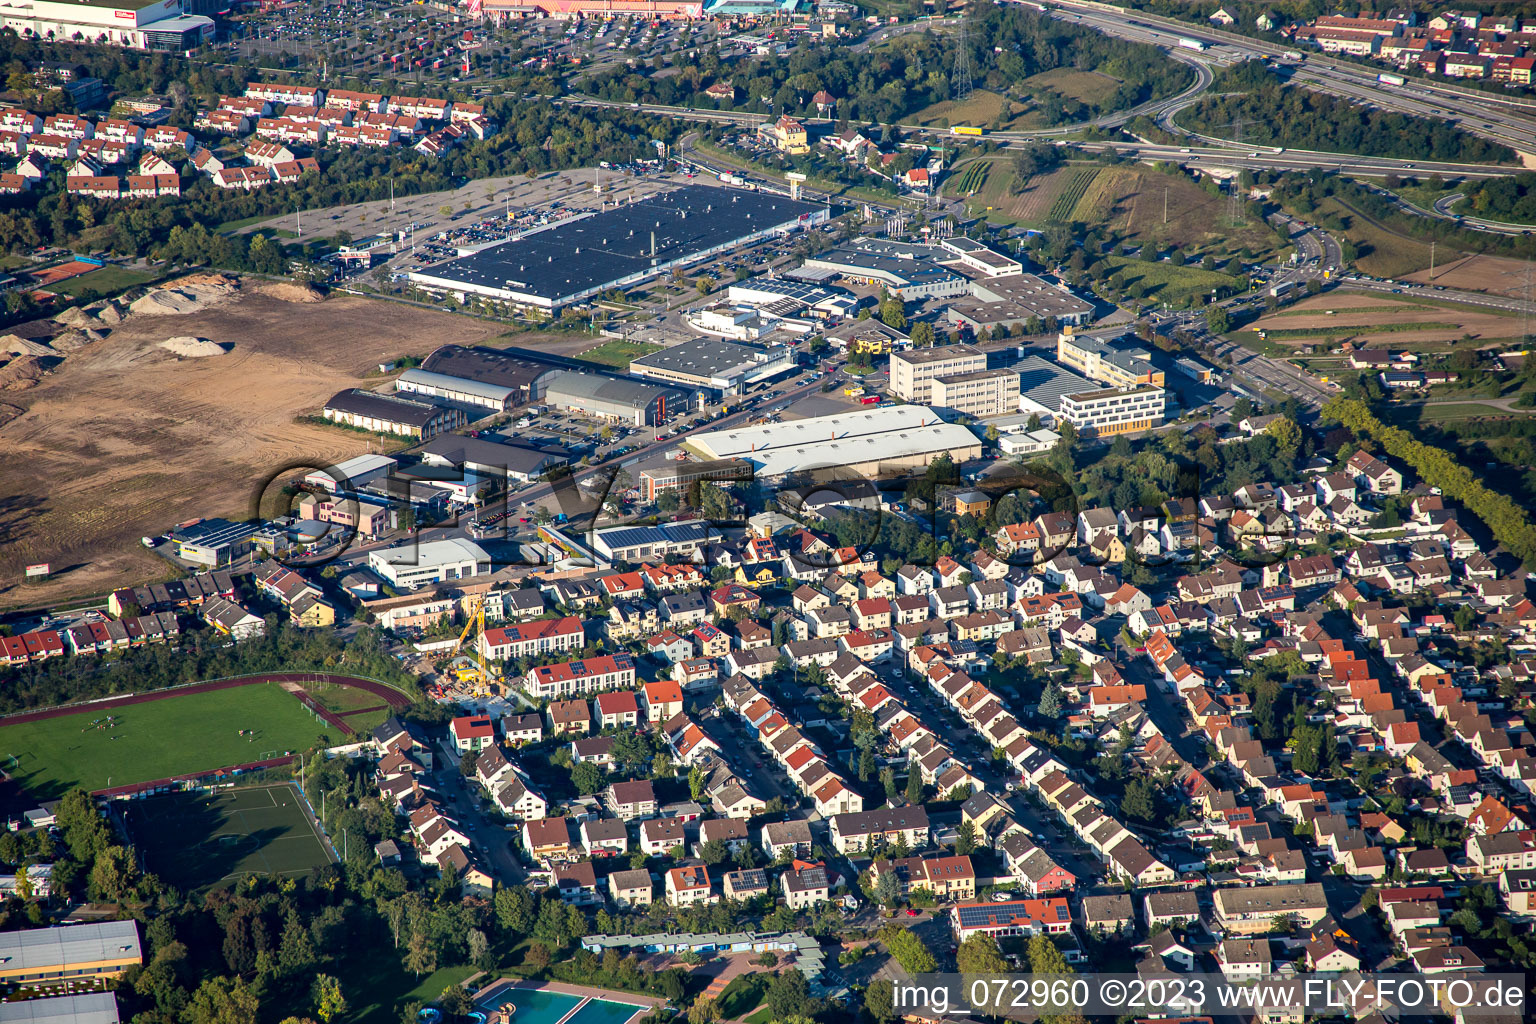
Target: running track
(389, 694)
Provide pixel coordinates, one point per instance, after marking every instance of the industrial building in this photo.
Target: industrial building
(906, 271)
(79, 951)
(420, 563)
(391, 414)
(212, 542)
(662, 541)
(1011, 302)
(134, 24)
(1043, 384)
(709, 364)
(484, 458)
(863, 442)
(1113, 410)
(577, 258)
(494, 397)
(978, 393)
(785, 297)
(525, 375)
(1111, 364)
(912, 372)
(678, 476)
(85, 1008)
(612, 398)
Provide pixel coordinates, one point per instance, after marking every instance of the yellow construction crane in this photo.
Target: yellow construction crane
(474, 669)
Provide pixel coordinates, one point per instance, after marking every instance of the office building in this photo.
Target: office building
(1100, 360)
(1113, 411)
(913, 371)
(978, 393)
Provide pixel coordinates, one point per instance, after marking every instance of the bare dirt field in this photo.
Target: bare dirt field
(1383, 321)
(1496, 275)
(124, 439)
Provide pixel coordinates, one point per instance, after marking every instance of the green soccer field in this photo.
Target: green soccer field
(195, 840)
(157, 739)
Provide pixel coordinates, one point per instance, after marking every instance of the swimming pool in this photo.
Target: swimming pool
(605, 1011)
(542, 1006)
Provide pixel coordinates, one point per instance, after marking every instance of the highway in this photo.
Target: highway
(1212, 155)
(1503, 119)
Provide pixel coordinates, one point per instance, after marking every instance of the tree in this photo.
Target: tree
(887, 889)
(516, 909)
(703, 1011)
(888, 783)
(1050, 701)
(1139, 800)
(788, 996)
(893, 313)
(705, 285)
(419, 956)
(588, 778)
(879, 999)
(914, 792)
(696, 782)
(537, 956)
(922, 334)
(329, 1002)
(979, 955)
(1287, 436)
(965, 838)
(909, 950)
(223, 1001)
(1217, 320)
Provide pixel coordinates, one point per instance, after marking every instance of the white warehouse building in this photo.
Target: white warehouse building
(418, 564)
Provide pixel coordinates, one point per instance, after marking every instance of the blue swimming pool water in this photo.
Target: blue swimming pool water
(535, 1006)
(603, 1011)
(545, 1007)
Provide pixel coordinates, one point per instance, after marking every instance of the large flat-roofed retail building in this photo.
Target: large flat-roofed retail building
(708, 364)
(578, 258)
(135, 24)
(82, 951)
(913, 371)
(613, 398)
(863, 443)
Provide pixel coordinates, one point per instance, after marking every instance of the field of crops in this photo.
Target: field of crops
(1067, 199)
(974, 178)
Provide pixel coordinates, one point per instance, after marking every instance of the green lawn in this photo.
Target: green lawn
(1436, 412)
(244, 222)
(196, 840)
(158, 739)
(1165, 282)
(618, 353)
(104, 281)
